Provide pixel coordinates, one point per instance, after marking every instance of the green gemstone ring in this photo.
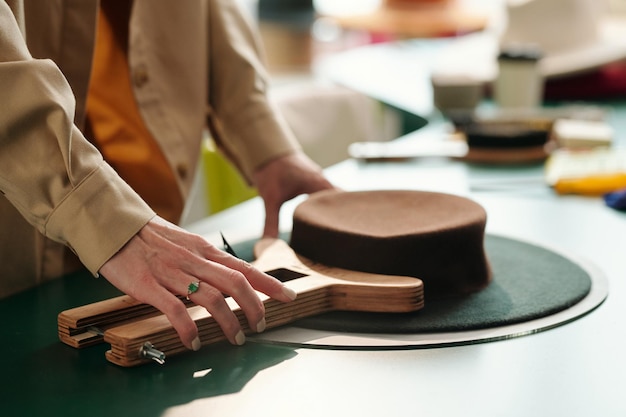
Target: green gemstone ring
(193, 287)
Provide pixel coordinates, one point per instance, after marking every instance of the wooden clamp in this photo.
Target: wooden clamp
(138, 332)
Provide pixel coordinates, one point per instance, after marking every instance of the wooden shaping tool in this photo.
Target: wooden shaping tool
(138, 332)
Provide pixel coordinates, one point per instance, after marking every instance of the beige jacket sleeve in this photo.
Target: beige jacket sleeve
(48, 170)
(246, 125)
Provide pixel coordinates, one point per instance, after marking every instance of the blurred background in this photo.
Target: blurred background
(348, 71)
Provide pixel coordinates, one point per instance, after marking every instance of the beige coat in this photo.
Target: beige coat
(194, 63)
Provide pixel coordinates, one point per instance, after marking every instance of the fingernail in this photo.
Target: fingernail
(196, 344)
(240, 338)
(260, 326)
(290, 293)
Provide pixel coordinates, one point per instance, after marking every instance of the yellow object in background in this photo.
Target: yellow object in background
(593, 185)
(595, 171)
(225, 187)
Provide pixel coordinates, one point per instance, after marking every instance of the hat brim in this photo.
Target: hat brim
(476, 54)
(610, 47)
(422, 21)
(534, 288)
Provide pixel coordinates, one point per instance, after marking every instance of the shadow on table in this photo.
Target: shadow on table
(42, 376)
(58, 380)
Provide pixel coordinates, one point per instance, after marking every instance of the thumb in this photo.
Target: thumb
(271, 220)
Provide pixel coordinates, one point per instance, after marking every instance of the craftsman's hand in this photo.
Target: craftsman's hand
(284, 178)
(163, 259)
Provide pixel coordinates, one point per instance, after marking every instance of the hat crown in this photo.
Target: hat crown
(553, 25)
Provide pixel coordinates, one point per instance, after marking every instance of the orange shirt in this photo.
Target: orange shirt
(114, 123)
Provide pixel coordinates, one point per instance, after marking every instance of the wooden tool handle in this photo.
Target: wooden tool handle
(319, 289)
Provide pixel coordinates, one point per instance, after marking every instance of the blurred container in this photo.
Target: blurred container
(519, 83)
(456, 92)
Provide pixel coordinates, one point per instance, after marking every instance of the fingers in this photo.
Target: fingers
(144, 288)
(214, 302)
(176, 313)
(162, 260)
(235, 284)
(265, 283)
(206, 292)
(258, 280)
(284, 178)
(271, 221)
(216, 268)
(238, 279)
(192, 259)
(208, 296)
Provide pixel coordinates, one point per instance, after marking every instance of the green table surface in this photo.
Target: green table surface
(41, 376)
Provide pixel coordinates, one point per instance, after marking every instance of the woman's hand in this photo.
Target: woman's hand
(284, 178)
(161, 261)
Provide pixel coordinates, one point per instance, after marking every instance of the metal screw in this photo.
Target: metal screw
(150, 352)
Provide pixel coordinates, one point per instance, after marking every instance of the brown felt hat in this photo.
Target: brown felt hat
(436, 237)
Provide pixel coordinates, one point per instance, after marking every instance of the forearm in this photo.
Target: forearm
(53, 176)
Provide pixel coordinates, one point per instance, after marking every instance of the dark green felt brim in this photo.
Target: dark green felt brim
(529, 282)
